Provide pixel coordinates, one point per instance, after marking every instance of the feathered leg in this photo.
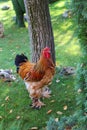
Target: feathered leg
(46, 92)
(35, 96)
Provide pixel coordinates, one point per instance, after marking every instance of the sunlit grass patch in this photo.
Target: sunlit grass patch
(68, 51)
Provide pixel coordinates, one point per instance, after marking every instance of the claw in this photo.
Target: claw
(46, 94)
(37, 107)
(37, 104)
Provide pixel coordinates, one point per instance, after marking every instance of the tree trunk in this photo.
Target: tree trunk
(19, 10)
(40, 28)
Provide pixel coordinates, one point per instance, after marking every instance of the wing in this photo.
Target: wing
(34, 76)
(34, 72)
(47, 78)
(29, 72)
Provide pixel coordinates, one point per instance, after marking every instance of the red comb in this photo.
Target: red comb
(46, 49)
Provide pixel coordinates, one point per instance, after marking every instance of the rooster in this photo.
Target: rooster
(36, 75)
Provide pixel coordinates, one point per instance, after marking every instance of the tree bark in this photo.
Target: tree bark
(40, 27)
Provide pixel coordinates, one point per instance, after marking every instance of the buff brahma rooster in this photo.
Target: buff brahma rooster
(36, 75)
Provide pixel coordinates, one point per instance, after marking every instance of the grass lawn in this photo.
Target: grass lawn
(15, 112)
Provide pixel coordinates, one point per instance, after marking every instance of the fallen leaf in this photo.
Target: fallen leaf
(65, 107)
(52, 101)
(7, 98)
(59, 112)
(79, 90)
(0, 117)
(56, 119)
(1, 49)
(34, 128)
(85, 114)
(2, 105)
(57, 81)
(10, 111)
(49, 111)
(18, 117)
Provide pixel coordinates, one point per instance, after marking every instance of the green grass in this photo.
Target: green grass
(68, 53)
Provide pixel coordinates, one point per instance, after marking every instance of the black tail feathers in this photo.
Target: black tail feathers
(20, 59)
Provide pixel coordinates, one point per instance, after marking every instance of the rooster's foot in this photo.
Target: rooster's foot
(46, 94)
(37, 104)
